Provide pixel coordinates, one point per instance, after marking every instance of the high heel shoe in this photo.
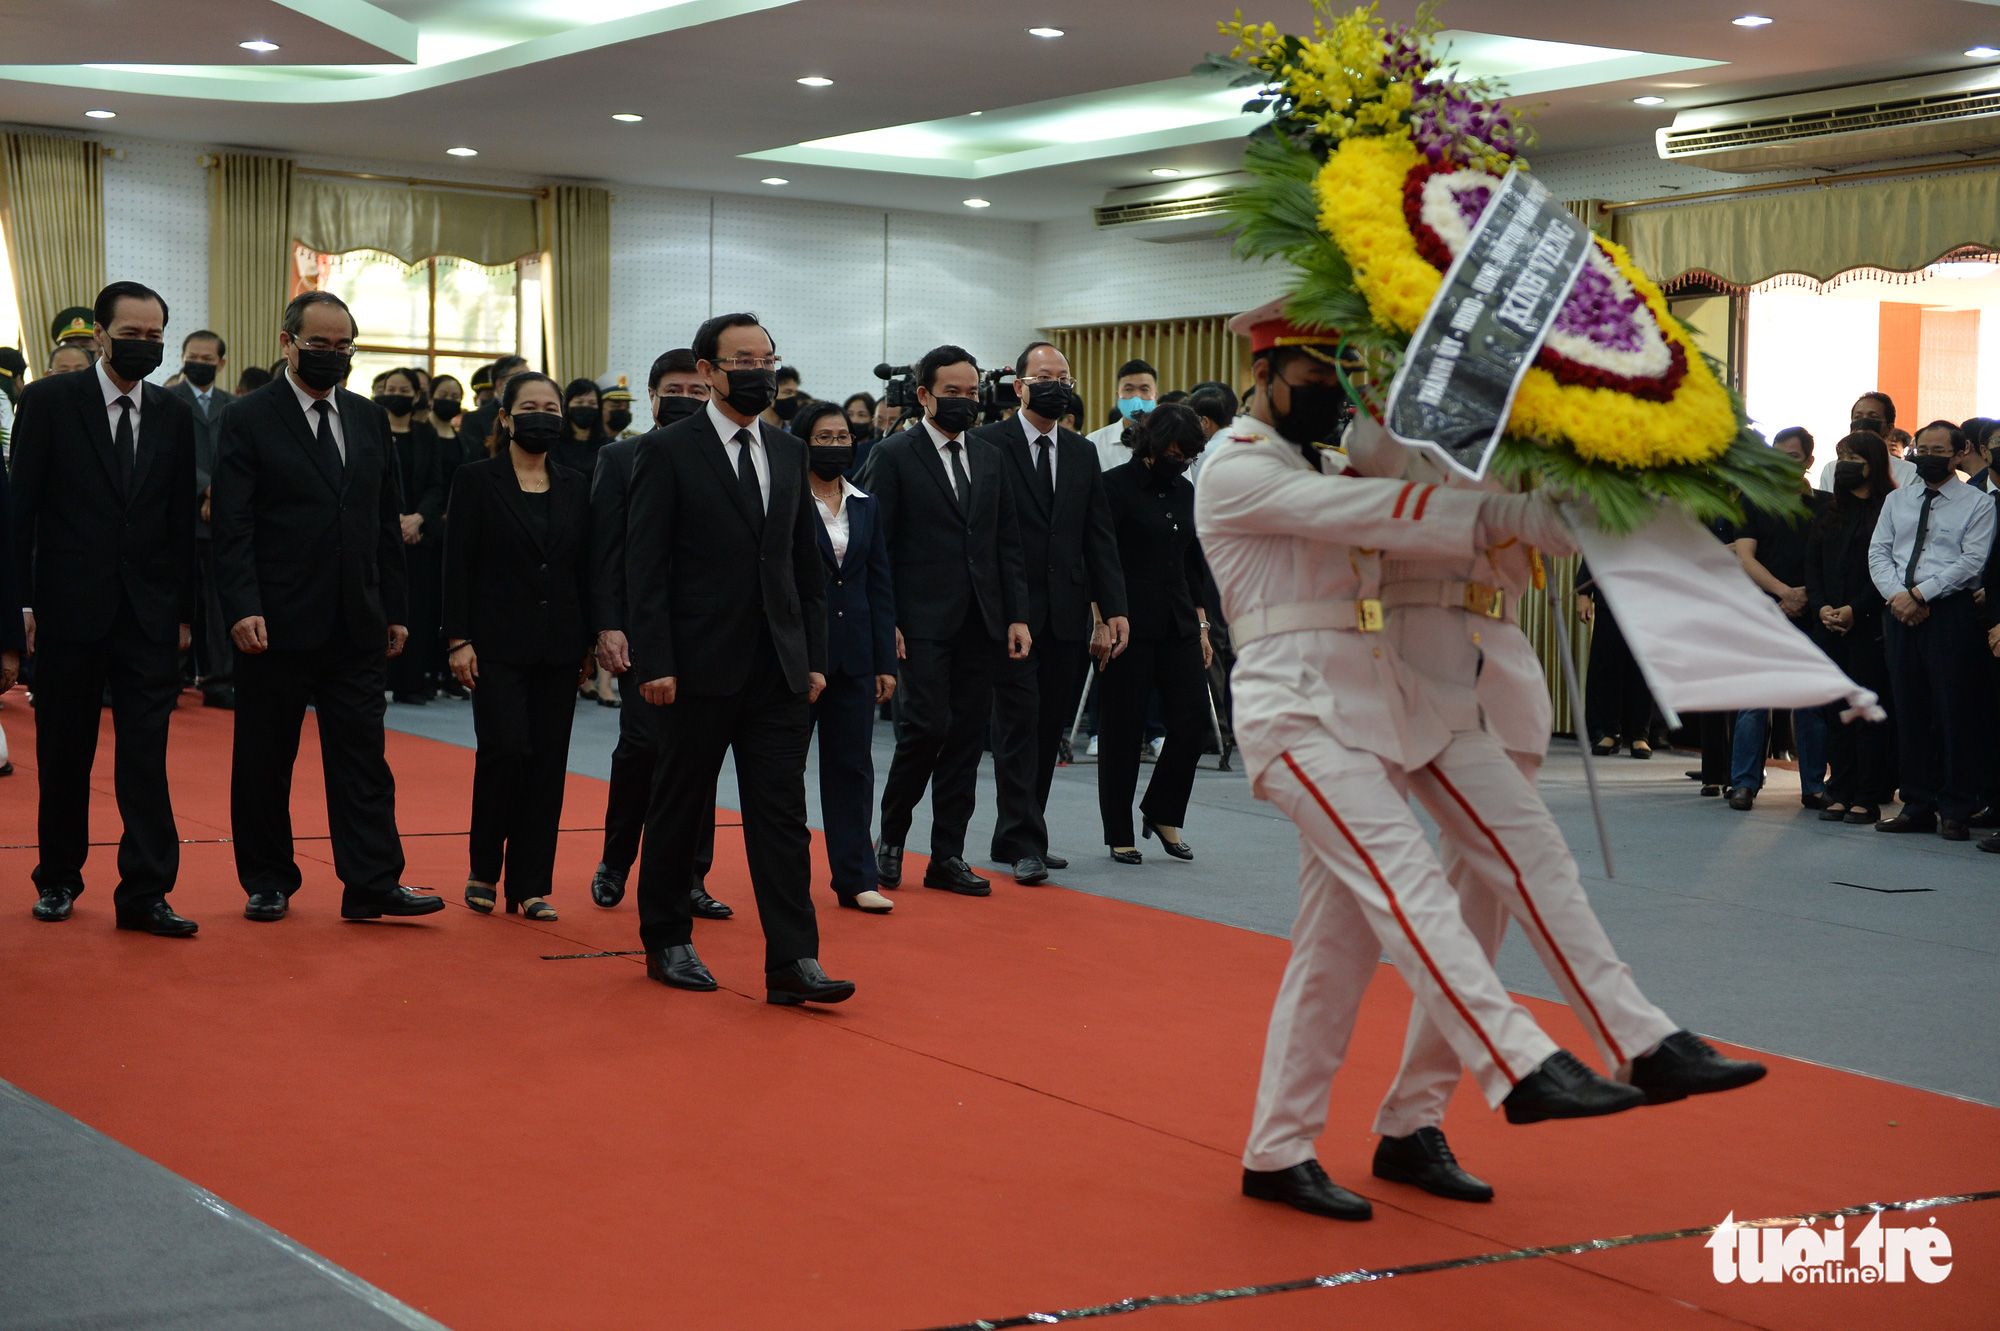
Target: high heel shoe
(1126, 856)
(1605, 747)
(537, 909)
(1180, 850)
(479, 896)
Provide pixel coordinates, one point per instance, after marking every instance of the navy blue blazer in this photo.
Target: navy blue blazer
(860, 599)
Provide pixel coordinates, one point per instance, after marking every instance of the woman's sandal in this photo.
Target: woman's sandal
(480, 896)
(536, 909)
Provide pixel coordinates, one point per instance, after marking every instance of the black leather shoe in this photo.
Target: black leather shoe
(1814, 801)
(1029, 870)
(1306, 1187)
(266, 906)
(1953, 830)
(223, 698)
(1562, 1087)
(1863, 813)
(804, 982)
(1684, 1064)
(1985, 819)
(56, 902)
(159, 920)
(1710, 792)
(1054, 861)
(607, 885)
(1180, 850)
(889, 865)
(706, 906)
(396, 901)
(1424, 1159)
(955, 875)
(1991, 843)
(1903, 822)
(1741, 798)
(679, 968)
(1127, 857)
(1833, 815)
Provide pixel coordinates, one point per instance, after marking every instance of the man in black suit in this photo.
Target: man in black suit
(204, 357)
(309, 556)
(1069, 555)
(104, 514)
(955, 545)
(727, 620)
(677, 391)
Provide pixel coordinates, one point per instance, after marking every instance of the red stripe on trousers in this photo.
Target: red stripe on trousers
(1402, 498)
(1422, 499)
(1521, 886)
(1403, 920)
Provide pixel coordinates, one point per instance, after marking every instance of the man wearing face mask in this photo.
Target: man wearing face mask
(1138, 388)
(104, 503)
(788, 401)
(204, 357)
(616, 398)
(961, 610)
(677, 391)
(309, 554)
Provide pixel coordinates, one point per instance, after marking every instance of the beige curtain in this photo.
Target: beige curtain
(52, 216)
(578, 304)
(1541, 629)
(249, 252)
(413, 223)
(1901, 225)
(1184, 351)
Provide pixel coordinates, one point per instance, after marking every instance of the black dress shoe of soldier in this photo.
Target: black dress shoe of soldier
(889, 865)
(1306, 1188)
(266, 906)
(1562, 1087)
(159, 919)
(679, 967)
(54, 905)
(1031, 869)
(607, 886)
(955, 875)
(804, 982)
(396, 901)
(706, 906)
(1684, 1064)
(1424, 1159)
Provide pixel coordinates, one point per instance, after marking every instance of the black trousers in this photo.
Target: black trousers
(344, 683)
(1616, 702)
(1936, 669)
(1033, 701)
(1174, 667)
(946, 692)
(768, 727)
(845, 719)
(522, 716)
(633, 764)
(1861, 756)
(412, 671)
(214, 653)
(144, 678)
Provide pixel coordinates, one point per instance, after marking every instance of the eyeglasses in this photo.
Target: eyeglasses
(750, 363)
(835, 437)
(1046, 378)
(345, 348)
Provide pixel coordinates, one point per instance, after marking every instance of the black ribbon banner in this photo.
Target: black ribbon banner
(1456, 385)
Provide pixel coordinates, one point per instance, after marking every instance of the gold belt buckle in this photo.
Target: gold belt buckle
(1368, 616)
(1481, 599)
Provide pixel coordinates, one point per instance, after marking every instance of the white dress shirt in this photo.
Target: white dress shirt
(836, 523)
(1904, 471)
(1110, 442)
(1037, 441)
(729, 429)
(942, 442)
(112, 411)
(1956, 540)
(306, 404)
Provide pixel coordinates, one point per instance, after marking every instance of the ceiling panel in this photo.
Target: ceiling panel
(206, 32)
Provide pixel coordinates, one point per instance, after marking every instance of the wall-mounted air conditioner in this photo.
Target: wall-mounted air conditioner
(1870, 122)
(1177, 210)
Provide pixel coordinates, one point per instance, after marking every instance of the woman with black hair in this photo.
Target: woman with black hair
(1152, 509)
(418, 460)
(1861, 756)
(577, 450)
(515, 598)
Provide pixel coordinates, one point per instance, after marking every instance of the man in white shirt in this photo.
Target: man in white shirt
(1138, 389)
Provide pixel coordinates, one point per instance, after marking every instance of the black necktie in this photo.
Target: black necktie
(326, 444)
(121, 443)
(1917, 546)
(960, 484)
(1045, 469)
(746, 480)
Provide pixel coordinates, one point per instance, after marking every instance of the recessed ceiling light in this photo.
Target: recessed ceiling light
(815, 81)
(628, 117)
(259, 45)
(1750, 21)
(976, 113)
(463, 152)
(776, 180)
(102, 115)
(1650, 101)
(1165, 171)
(1983, 52)
(1045, 32)
(978, 203)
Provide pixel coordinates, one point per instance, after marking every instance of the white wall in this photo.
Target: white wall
(1086, 276)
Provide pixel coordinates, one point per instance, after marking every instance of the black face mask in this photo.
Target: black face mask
(751, 392)
(830, 460)
(1166, 469)
(198, 372)
(321, 369)
(955, 415)
(1315, 417)
(1847, 474)
(787, 407)
(616, 421)
(1048, 399)
(133, 358)
(585, 417)
(1932, 468)
(444, 408)
(536, 431)
(863, 432)
(676, 408)
(398, 405)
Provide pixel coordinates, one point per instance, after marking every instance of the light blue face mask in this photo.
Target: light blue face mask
(1128, 407)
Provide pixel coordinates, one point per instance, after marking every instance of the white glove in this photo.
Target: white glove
(1532, 518)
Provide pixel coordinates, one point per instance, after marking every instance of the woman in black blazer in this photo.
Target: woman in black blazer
(860, 653)
(515, 564)
(420, 463)
(1152, 507)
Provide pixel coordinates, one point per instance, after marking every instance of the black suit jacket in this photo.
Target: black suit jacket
(82, 542)
(861, 593)
(207, 439)
(948, 562)
(311, 545)
(519, 596)
(703, 585)
(1069, 554)
(1156, 543)
(420, 472)
(610, 493)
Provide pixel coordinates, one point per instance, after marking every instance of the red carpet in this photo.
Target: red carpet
(1036, 1101)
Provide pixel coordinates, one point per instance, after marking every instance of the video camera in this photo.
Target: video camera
(901, 392)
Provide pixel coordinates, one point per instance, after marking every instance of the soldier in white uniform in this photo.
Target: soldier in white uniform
(1337, 729)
